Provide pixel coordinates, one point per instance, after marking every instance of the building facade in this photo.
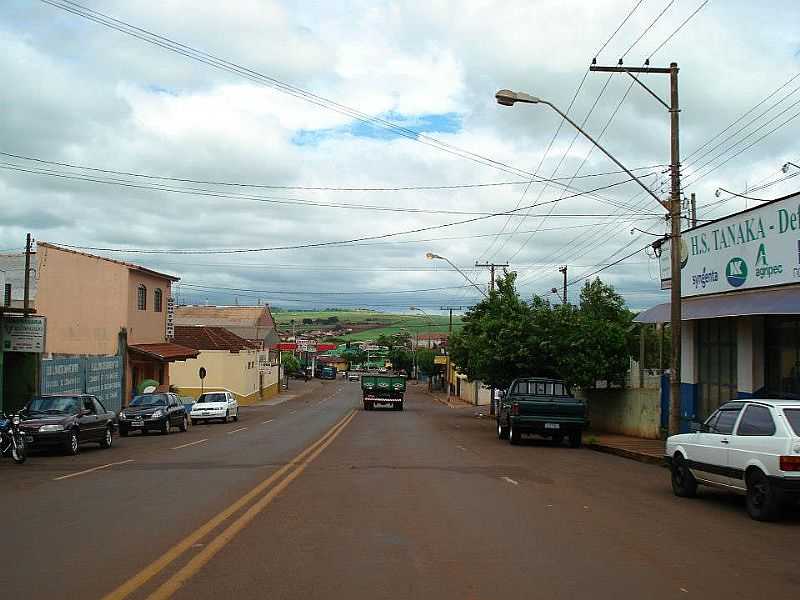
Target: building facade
(740, 329)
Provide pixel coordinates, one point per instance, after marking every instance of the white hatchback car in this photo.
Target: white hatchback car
(748, 446)
(215, 405)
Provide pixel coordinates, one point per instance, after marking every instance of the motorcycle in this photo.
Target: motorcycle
(12, 442)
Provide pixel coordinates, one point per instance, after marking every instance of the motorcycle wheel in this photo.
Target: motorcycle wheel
(18, 454)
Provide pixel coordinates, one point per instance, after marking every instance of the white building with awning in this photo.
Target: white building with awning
(740, 307)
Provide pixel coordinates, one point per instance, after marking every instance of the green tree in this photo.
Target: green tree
(425, 361)
(354, 356)
(289, 362)
(402, 359)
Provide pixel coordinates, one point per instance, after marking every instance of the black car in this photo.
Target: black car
(66, 421)
(160, 412)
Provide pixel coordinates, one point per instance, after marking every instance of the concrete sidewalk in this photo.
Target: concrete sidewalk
(640, 449)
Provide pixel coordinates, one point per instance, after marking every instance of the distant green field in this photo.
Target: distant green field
(384, 323)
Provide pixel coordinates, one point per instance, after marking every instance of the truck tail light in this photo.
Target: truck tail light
(515, 409)
(790, 463)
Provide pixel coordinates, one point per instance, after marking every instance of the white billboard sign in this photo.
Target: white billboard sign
(22, 334)
(752, 249)
(170, 329)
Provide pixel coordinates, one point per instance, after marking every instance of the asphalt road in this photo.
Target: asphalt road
(315, 498)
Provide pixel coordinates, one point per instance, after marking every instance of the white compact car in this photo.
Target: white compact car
(215, 405)
(352, 376)
(748, 446)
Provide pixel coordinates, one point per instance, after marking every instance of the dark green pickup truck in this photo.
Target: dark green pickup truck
(542, 406)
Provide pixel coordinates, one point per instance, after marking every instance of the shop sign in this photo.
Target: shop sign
(440, 360)
(170, 332)
(306, 345)
(22, 334)
(752, 249)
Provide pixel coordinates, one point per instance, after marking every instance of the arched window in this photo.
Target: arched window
(141, 297)
(157, 300)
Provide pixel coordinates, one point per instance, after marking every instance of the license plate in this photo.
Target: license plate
(29, 439)
(552, 426)
(137, 423)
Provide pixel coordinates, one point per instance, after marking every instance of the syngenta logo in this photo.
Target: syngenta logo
(705, 278)
(736, 272)
(764, 270)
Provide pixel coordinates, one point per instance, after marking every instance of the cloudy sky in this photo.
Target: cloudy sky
(374, 95)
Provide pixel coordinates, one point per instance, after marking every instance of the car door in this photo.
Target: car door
(87, 419)
(103, 416)
(709, 457)
(175, 416)
(757, 438)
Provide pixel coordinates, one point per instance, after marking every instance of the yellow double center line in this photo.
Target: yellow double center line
(294, 468)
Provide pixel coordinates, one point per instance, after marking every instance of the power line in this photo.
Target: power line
(318, 293)
(616, 262)
(674, 33)
(648, 28)
(243, 197)
(304, 187)
(306, 245)
(261, 79)
(616, 31)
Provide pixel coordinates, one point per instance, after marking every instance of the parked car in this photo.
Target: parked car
(352, 376)
(158, 411)
(215, 405)
(300, 375)
(541, 406)
(66, 421)
(751, 447)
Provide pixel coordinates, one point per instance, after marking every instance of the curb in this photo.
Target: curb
(629, 454)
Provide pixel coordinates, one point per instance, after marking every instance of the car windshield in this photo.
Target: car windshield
(149, 400)
(793, 416)
(53, 405)
(211, 398)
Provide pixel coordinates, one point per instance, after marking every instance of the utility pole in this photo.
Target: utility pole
(694, 210)
(449, 335)
(492, 267)
(673, 207)
(564, 271)
(27, 293)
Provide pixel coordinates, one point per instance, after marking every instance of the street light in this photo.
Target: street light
(432, 256)
(673, 206)
(719, 192)
(785, 167)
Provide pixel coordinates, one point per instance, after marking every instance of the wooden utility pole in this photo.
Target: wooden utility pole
(449, 335)
(564, 296)
(694, 210)
(27, 287)
(673, 206)
(492, 267)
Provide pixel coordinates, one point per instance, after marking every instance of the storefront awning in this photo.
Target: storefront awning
(782, 301)
(164, 352)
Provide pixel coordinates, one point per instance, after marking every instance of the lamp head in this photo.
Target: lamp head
(718, 193)
(431, 256)
(506, 97)
(785, 167)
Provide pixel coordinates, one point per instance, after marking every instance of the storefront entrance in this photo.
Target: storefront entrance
(717, 359)
(782, 357)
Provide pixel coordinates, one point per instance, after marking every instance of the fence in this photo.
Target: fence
(100, 376)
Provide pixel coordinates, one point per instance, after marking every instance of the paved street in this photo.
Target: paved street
(426, 503)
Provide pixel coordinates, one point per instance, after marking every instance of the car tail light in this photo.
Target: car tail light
(515, 408)
(790, 463)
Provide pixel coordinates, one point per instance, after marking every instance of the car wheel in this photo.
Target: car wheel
(108, 438)
(684, 485)
(763, 503)
(184, 426)
(514, 436)
(165, 427)
(194, 422)
(236, 415)
(73, 443)
(226, 417)
(502, 432)
(123, 431)
(575, 439)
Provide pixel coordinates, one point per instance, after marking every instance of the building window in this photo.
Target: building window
(157, 295)
(717, 373)
(141, 297)
(783, 357)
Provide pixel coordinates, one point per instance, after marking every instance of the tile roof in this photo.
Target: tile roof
(166, 352)
(204, 337)
(255, 316)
